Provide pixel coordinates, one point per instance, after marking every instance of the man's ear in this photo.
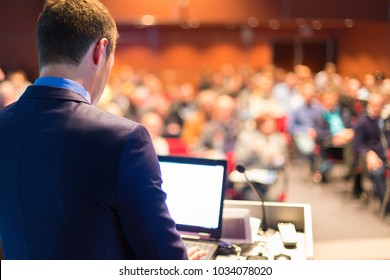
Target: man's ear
(100, 50)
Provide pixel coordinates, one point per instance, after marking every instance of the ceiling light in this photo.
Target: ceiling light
(147, 20)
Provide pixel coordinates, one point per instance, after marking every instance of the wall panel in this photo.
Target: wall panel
(365, 47)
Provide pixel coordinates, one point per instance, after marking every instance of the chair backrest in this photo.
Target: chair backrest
(177, 146)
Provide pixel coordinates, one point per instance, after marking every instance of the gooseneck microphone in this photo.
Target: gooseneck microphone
(240, 168)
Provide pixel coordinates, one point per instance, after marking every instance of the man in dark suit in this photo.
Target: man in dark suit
(76, 182)
(371, 143)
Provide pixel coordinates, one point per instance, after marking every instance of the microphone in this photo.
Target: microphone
(240, 168)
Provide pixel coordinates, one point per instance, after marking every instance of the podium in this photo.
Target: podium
(299, 214)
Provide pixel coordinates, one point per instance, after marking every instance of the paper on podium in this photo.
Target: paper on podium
(255, 225)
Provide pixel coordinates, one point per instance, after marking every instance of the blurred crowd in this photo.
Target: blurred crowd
(258, 117)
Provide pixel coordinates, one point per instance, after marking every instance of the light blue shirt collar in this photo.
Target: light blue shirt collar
(64, 83)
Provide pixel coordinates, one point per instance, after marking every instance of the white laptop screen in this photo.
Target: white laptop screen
(195, 189)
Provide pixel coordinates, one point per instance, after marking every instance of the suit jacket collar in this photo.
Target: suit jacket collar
(45, 92)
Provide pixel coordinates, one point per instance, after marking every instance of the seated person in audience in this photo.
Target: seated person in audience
(385, 91)
(219, 134)
(301, 123)
(2, 75)
(303, 72)
(369, 86)
(349, 99)
(262, 147)
(155, 126)
(7, 93)
(328, 78)
(371, 141)
(334, 135)
(20, 81)
(194, 124)
(182, 107)
(139, 102)
(261, 99)
(286, 93)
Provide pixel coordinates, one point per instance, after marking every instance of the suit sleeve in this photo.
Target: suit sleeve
(145, 219)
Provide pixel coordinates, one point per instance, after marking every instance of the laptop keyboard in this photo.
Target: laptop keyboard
(209, 247)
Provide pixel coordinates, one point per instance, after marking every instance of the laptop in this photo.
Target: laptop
(195, 189)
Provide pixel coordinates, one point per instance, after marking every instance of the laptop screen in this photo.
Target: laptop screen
(195, 191)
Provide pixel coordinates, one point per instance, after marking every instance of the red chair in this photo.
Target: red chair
(177, 146)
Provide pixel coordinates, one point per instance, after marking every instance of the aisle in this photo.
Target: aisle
(340, 222)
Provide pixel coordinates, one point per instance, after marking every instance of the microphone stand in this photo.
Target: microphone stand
(263, 230)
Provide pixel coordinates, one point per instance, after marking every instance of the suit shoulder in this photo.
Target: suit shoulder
(95, 114)
(96, 119)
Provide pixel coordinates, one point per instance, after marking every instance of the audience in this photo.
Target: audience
(155, 126)
(369, 86)
(20, 81)
(193, 125)
(219, 134)
(328, 78)
(183, 106)
(261, 99)
(216, 118)
(139, 102)
(8, 93)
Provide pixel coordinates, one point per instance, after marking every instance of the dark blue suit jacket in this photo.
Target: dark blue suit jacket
(79, 183)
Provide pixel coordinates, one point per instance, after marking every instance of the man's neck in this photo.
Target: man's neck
(64, 71)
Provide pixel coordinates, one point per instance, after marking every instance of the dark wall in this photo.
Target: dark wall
(17, 30)
(223, 10)
(340, 9)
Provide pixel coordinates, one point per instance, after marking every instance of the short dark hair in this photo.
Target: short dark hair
(67, 28)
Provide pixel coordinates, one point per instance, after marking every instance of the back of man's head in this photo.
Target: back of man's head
(67, 28)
